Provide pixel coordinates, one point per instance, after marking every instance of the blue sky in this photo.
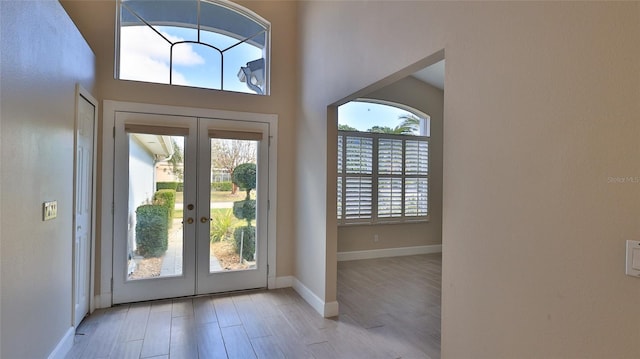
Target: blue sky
(364, 115)
(145, 57)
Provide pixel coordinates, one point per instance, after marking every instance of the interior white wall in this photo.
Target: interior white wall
(541, 109)
(43, 57)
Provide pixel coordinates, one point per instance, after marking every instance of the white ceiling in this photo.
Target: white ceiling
(433, 75)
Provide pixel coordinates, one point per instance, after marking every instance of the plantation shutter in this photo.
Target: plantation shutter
(340, 175)
(417, 157)
(389, 197)
(358, 182)
(416, 197)
(340, 140)
(390, 178)
(416, 181)
(358, 198)
(382, 177)
(389, 156)
(359, 155)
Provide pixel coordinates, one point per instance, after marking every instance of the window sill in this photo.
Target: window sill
(385, 222)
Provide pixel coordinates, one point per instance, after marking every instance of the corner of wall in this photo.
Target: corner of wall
(326, 309)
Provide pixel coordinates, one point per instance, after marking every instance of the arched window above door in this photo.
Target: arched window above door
(213, 44)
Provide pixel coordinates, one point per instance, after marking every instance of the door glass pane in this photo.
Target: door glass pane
(155, 231)
(233, 205)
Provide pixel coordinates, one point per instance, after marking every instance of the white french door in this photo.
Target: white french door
(181, 225)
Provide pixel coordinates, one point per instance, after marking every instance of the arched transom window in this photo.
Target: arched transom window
(212, 44)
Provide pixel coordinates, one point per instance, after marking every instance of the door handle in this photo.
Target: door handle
(204, 219)
(189, 220)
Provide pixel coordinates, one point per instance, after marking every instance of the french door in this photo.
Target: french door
(190, 206)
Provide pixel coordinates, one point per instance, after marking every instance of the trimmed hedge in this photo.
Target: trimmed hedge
(152, 235)
(167, 185)
(245, 210)
(248, 241)
(244, 176)
(166, 198)
(176, 186)
(225, 186)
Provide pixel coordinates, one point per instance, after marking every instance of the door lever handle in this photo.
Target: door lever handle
(204, 219)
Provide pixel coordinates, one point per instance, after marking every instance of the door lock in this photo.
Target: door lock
(189, 220)
(190, 207)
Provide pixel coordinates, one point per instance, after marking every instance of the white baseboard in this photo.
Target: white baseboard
(325, 309)
(389, 252)
(64, 345)
(284, 282)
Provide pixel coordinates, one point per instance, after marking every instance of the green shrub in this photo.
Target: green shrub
(180, 187)
(166, 198)
(245, 209)
(248, 241)
(244, 176)
(222, 225)
(225, 186)
(167, 185)
(152, 235)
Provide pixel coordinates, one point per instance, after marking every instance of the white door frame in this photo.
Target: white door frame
(110, 108)
(81, 92)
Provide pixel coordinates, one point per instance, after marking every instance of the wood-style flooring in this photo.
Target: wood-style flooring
(389, 308)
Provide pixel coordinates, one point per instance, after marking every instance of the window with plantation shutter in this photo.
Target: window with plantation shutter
(382, 178)
(358, 197)
(339, 177)
(416, 178)
(389, 197)
(359, 157)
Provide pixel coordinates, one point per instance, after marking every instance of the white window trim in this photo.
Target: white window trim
(104, 298)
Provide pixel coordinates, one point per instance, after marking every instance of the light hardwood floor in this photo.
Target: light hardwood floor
(389, 308)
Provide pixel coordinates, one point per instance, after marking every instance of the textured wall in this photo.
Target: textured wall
(40, 68)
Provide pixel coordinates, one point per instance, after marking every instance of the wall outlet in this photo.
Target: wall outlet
(49, 210)
(376, 238)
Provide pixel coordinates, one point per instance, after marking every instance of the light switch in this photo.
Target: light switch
(49, 210)
(633, 258)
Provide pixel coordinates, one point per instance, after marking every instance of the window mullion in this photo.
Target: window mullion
(198, 20)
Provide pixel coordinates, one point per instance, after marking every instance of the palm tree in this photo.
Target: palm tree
(410, 125)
